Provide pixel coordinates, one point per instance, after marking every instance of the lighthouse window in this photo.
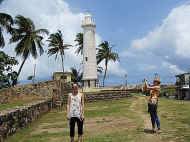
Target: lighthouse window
(86, 58)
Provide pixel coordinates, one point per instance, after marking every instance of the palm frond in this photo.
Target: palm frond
(24, 24)
(6, 20)
(42, 31)
(53, 51)
(2, 41)
(40, 48)
(33, 50)
(100, 69)
(79, 43)
(76, 76)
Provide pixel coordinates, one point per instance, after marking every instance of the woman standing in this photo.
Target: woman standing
(153, 102)
(75, 112)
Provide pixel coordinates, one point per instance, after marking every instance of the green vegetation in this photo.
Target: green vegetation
(106, 54)
(28, 39)
(29, 42)
(113, 121)
(6, 22)
(168, 91)
(22, 100)
(56, 41)
(7, 75)
(79, 43)
(76, 75)
(175, 118)
(11, 105)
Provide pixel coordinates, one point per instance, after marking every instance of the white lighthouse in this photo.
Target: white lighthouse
(89, 52)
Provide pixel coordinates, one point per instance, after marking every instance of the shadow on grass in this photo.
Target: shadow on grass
(149, 131)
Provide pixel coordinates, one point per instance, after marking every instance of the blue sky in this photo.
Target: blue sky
(150, 36)
(122, 21)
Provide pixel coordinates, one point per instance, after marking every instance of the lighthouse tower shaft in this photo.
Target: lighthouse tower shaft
(89, 52)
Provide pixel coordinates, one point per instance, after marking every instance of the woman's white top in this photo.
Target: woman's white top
(75, 105)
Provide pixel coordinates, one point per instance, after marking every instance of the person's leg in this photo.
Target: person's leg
(157, 120)
(72, 129)
(80, 129)
(152, 120)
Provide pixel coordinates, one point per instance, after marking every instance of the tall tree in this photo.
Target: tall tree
(28, 39)
(76, 76)
(106, 54)
(5, 23)
(56, 41)
(79, 44)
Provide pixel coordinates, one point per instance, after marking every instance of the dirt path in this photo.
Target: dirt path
(138, 106)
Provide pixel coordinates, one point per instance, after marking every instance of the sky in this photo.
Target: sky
(149, 36)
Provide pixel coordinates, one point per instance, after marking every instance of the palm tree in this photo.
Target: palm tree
(76, 76)
(79, 40)
(5, 23)
(28, 38)
(56, 41)
(106, 54)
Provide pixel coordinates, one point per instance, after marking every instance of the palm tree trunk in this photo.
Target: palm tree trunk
(19, 71)
(106, 64)
(62, 62)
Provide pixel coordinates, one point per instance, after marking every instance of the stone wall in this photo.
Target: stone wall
(16, 118)
(106, 95)
(12, 120)
(42, 89)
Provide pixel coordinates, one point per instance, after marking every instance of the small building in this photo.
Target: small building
(182, 86)
(60, 75)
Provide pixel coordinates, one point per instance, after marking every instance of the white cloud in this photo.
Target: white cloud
(116, 69)
(165, 47)
(173, 69)
(52, 15)
(147, 67)
(172, 35)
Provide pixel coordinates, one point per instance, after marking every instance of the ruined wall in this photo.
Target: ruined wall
(16, 118)
(42, 89)
(105, 95)
(91, 97)
(12, 120)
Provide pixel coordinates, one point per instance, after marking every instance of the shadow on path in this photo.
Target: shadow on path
(149, 131)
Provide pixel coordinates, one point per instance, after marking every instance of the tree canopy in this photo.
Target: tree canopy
(7, 75)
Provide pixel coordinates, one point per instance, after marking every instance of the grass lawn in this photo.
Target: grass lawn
(114, 121)
(20, 101)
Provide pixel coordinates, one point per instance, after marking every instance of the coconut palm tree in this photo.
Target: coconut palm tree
(56, 41)
(28, 39)
(5, 23)
(79, 40)
(106, 54)
(76, 76)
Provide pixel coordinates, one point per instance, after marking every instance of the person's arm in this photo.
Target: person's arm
(68, 106)
(144, 87)
(153, 87)
(82, 105)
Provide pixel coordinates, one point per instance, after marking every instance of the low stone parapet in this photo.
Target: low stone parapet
(13, 119)
(106, 95)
